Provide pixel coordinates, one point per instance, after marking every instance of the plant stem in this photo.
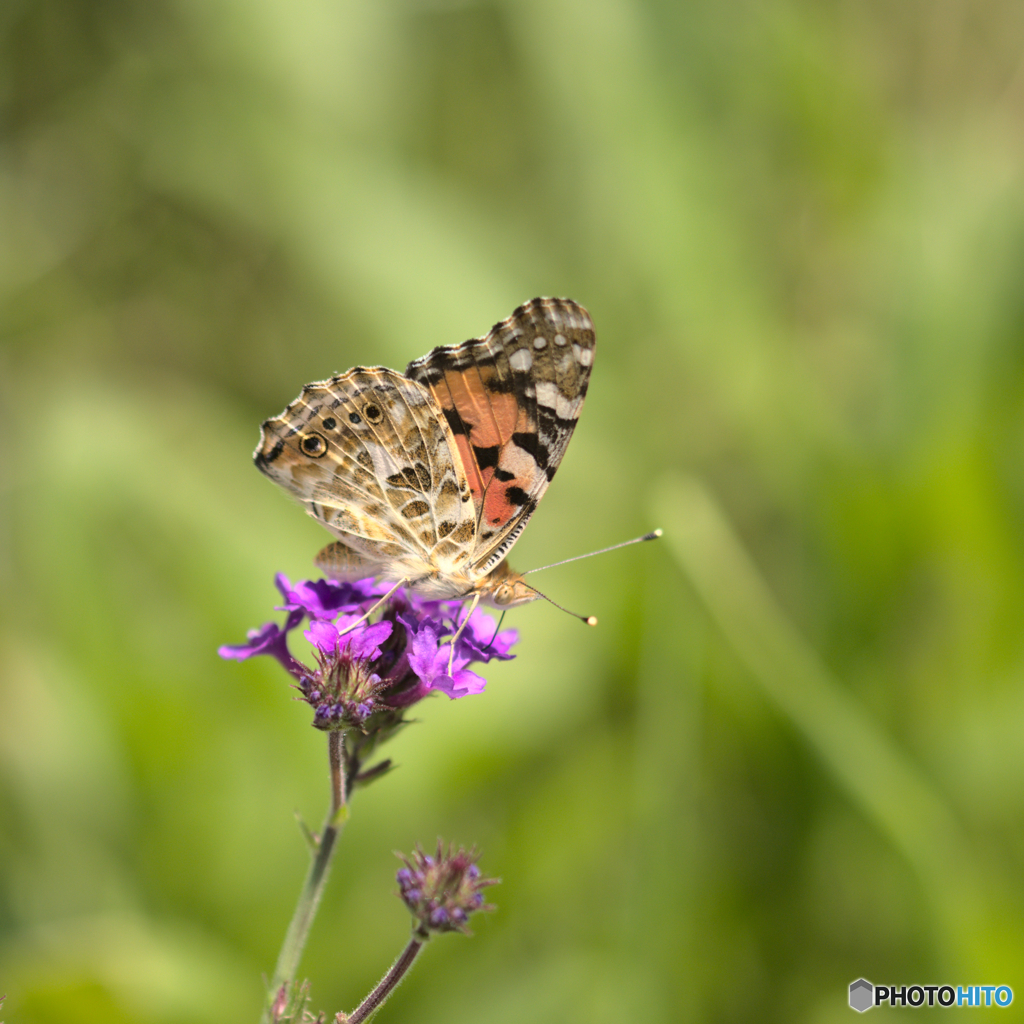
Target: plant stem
(309, 899)
(375, 1000)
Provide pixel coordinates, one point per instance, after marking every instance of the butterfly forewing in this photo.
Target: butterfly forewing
(511, 399)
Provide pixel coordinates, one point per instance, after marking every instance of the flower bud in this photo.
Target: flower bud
(441, 890)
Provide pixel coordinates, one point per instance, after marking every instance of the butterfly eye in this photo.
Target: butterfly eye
(373, 414)
(313, 445)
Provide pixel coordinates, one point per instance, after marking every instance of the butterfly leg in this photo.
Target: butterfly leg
(366, 615)
(462, 626)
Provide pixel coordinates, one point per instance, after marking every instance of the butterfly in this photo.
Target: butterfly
(428, 478)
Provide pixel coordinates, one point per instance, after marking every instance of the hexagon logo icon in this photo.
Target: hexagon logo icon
(862, 995)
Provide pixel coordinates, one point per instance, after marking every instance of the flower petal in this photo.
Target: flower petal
(461, 684)
(322, 635)
(259, 641)
(365, 642)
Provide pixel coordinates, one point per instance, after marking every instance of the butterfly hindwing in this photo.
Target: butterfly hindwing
(370, 457)
(511, 399)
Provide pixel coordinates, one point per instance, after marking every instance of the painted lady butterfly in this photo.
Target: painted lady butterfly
(428, 478)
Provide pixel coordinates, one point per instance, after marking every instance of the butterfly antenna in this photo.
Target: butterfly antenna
(653, 535)
(590, 620)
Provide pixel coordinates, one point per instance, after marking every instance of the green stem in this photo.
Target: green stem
(309, 899)
(375, 1000)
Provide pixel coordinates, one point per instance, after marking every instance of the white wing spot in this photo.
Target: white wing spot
(539, 342)
(549, 395)
(559, 340)
(521, 360)
(586, 356)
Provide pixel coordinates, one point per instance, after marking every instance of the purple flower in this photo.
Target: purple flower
(480, 640)
(322, 599)
(429, 660)
(373, 663)
(347, 638)
(442, 890)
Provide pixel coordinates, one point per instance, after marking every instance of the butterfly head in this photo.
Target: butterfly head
(513, 589)
(504, 587)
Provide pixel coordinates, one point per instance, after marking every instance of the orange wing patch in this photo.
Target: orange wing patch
(484, 419)
(511, 399)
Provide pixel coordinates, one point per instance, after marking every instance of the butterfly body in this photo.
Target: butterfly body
(430, 476)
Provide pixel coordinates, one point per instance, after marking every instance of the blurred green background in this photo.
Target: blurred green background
(792, 753)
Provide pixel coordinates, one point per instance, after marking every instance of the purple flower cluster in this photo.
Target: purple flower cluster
(443, 889)
(376, 665)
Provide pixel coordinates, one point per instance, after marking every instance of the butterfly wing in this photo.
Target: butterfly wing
(371, 457)
(511, 400)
